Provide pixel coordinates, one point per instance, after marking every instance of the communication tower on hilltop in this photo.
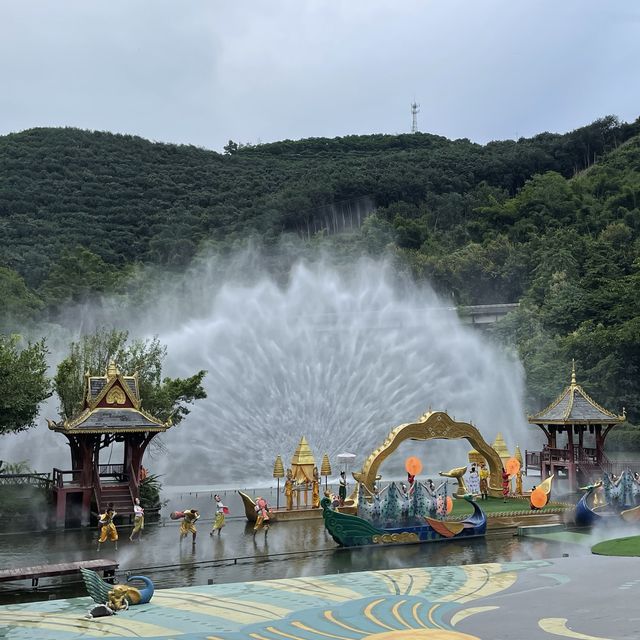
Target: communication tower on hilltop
(415, 109)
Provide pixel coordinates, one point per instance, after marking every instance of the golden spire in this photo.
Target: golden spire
(325, 469)
(500, 447)
(573, 372)
(278, 468)
(518, 455)
(112, 370)
(302, 463)
(303, 454)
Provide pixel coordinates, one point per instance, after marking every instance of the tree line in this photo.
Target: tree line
(550, 221)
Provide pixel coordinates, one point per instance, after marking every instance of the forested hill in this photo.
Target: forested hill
(552, 221)
(126, 199)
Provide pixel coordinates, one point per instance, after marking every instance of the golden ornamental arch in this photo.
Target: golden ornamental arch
(433, 425)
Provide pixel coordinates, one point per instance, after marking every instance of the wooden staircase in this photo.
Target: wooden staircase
(118, 493)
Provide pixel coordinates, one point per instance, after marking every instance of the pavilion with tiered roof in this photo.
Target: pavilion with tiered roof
(576, 428)
(112, 412)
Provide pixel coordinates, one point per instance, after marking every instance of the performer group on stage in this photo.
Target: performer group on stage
(432, 499)
(108, 531)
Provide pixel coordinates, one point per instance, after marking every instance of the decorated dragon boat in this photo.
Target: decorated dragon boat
(609, 501)
(353, 531)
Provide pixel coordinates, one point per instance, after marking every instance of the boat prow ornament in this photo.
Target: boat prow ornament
(610, 500)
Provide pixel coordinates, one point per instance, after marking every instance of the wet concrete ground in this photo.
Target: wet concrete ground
(291, 549)
(296, 583)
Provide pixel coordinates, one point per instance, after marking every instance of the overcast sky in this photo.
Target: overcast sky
(205, 71)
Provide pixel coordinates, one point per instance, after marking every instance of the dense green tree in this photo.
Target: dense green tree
(77, 276)
(23, 382)
(165, 398)
(20, 304)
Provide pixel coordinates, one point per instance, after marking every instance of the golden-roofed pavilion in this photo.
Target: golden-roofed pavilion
(111, 412)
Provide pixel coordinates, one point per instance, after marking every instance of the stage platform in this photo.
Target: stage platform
(589, 598)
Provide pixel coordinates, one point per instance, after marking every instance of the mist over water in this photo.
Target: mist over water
(339, 355)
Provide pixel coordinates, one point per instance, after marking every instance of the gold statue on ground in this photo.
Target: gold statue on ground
(315, 489)
(288, 490)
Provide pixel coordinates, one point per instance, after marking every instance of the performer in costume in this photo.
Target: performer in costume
(221, 511)
(411, 478)
(342, 489)
(315, 489)
(505, 484)
(484, 482)
(188, 524)
(262, 521)
(107, 528)
(138, 520)
(474, 481)
(288, 490)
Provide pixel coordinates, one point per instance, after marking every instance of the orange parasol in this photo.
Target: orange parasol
(413, 465)
(512, 466)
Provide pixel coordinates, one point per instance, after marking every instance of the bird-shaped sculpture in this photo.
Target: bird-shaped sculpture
(458, 474)
(116, 597)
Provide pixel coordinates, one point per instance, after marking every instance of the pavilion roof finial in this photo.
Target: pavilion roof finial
(574, 406)
(112, 370)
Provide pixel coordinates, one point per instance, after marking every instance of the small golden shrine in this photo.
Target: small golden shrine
(302, 463)
(475, 457)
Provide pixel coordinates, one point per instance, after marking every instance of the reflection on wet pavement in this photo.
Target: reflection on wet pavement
(291, 549)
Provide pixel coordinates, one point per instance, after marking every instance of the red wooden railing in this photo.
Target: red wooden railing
(59, 477)
(111, 471)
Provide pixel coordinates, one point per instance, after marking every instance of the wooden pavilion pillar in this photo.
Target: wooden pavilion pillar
(599, 443)
(571, 460)
(134, 447)
(553, 433)
(545, 466)
(581, 439)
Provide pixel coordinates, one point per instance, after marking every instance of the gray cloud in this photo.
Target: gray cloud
(204, 71)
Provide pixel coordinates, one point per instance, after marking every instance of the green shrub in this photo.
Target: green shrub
(150, 492)
(626, 437)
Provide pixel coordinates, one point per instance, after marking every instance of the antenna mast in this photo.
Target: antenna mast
(415, 110)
